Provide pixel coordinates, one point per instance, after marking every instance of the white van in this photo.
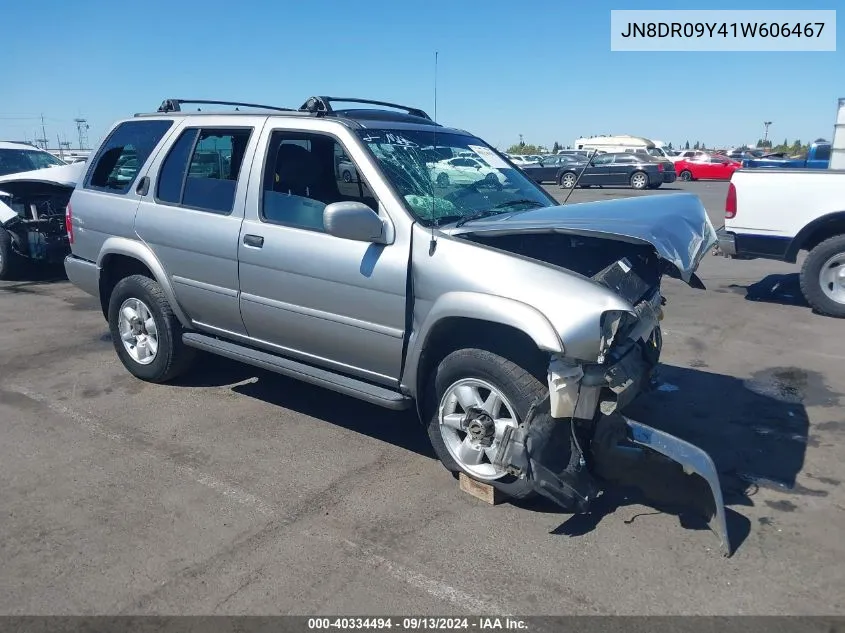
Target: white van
(624, 143)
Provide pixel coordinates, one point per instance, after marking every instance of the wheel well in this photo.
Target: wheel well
(817, 235)
(454, 333)
(112, 270)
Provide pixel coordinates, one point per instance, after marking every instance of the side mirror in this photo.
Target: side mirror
(353, 221)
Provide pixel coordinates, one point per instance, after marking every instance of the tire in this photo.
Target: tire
(639, 180)
(171, 356)
(347, 176)
(10, 261)
(443, 179)
(520, 390)
(567, 180)
(685, 175)
(823, 277)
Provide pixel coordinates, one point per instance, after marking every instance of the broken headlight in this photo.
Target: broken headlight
(614, 325)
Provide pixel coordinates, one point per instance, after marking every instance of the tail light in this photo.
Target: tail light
(659, 166)
(730, 202)
(69, 223)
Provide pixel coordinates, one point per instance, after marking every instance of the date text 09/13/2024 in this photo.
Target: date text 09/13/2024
(418, 623)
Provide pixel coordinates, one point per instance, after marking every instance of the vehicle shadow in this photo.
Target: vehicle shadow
(755, 438)
(35, 276)
(400, 428)
(756, 432)
(783, 289)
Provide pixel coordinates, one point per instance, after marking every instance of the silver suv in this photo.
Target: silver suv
(517, 327)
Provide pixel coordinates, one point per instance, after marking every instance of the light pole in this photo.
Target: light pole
(766, 125)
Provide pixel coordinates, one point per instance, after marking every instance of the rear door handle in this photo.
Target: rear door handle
(255, 241)
(143, 186)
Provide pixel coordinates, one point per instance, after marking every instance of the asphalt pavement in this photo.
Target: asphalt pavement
(241, 492)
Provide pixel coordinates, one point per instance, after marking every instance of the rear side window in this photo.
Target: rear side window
(201, 171)
(127, 148)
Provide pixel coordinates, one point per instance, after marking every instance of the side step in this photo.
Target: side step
(322, 378)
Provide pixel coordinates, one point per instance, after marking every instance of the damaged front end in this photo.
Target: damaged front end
(575, 441)
(32, 212)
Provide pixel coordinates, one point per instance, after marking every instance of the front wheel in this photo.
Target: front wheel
(685, 175)
(823, 277)
(146, 334)
(496, 393)
(639, 180)
(567, 180)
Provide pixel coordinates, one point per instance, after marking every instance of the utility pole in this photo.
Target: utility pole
(43, 140)
(766, 125)
(82, 131)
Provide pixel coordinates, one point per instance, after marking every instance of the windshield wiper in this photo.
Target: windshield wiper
(496, 210)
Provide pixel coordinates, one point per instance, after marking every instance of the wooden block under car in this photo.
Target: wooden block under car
(479, 490)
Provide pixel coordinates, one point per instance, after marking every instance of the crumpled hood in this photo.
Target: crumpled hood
(676, 225)
(64, 176)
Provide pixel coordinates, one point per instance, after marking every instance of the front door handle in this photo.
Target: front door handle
(255, 241)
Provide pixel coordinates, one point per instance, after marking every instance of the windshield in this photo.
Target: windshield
(14, 161)
(458, 177)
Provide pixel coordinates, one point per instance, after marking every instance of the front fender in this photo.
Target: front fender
(142, 253)
(481, 307)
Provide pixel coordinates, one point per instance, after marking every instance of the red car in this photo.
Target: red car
(706, 167)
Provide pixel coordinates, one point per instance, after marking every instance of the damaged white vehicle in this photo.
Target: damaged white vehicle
(518, 328)
(32, 218)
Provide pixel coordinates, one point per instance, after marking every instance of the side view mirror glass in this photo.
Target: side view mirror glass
(353, 221)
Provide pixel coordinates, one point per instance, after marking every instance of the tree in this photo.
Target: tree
(686, 146)
(522, 148)
(555, 147)
(670, 145)
(695, 146)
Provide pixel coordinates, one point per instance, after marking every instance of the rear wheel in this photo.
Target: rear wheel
(823, 277)
(9, 260)
(146, 334)
(496, 393)
(685, 175)
(567, 180)
(639, 180)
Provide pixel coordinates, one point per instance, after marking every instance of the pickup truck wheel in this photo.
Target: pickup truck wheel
(685, 175)
(500, 393)
(9, 259)
(639, 180)
(146, 334)
(823, 277)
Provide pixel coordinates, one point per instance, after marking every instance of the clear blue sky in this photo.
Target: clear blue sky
(542, 69)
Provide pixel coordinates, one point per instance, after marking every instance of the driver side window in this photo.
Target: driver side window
(303, 173)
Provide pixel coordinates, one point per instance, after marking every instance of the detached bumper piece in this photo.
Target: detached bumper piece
(548, 453)
(694, 461)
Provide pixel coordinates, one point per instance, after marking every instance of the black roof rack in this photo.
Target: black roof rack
(322, 106)
(174, 105)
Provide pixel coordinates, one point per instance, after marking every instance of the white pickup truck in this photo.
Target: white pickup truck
(776, 214)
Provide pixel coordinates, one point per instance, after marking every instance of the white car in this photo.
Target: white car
(20, 157)
(464, 171)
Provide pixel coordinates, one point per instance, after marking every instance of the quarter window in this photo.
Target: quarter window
(127, 148)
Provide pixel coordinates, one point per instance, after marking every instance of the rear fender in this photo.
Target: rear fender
(142, 253)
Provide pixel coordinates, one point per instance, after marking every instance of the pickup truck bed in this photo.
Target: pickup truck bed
(776, 214)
